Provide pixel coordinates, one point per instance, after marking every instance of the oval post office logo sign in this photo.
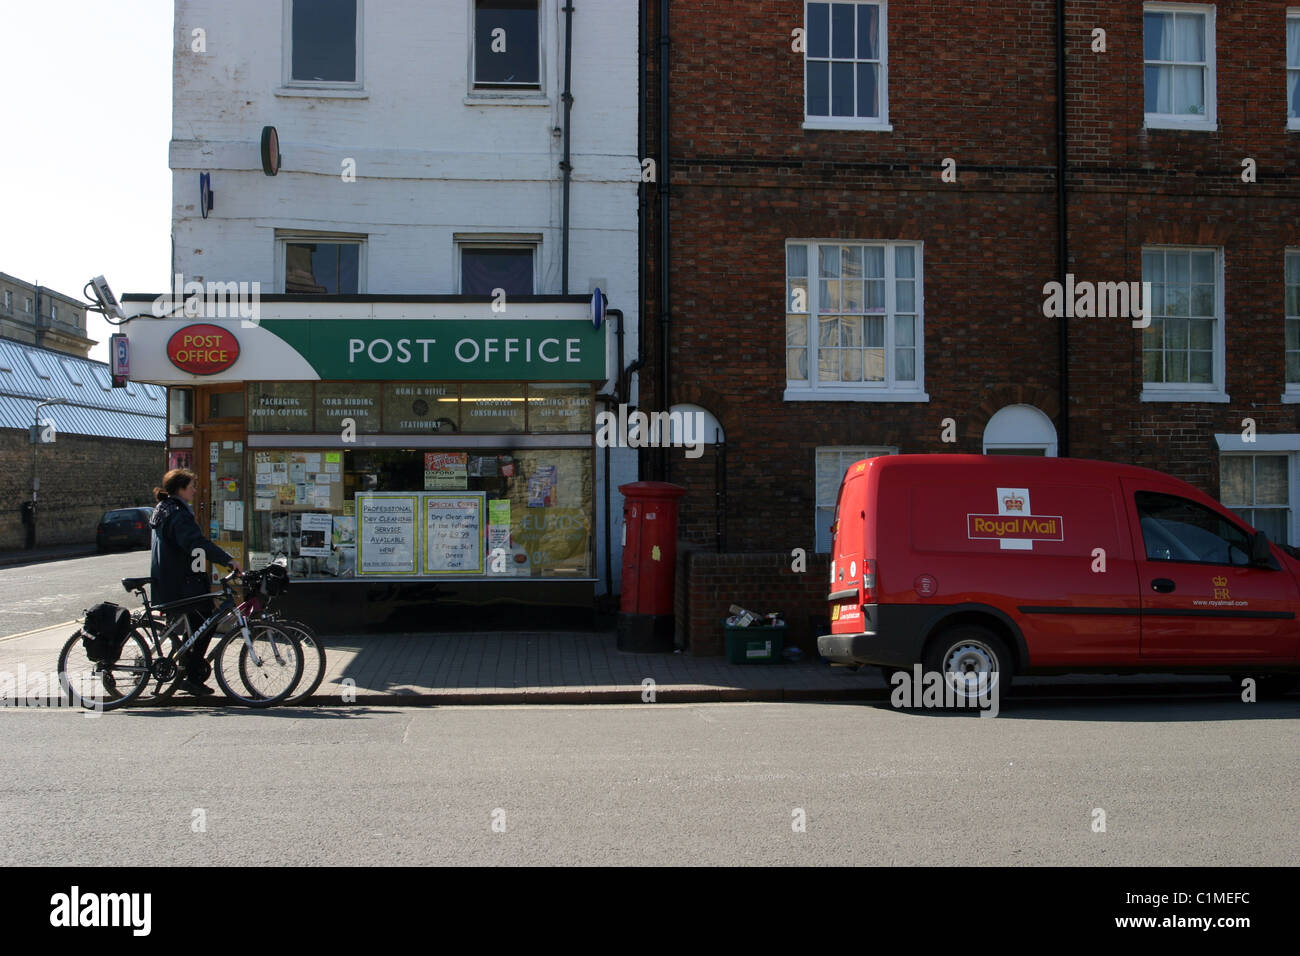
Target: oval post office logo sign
(203, 349)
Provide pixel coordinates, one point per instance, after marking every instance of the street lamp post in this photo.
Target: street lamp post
(30, 516)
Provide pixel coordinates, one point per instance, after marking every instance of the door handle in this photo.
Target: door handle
(1163, 585)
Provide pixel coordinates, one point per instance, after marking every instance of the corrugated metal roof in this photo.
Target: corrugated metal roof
(94, 406)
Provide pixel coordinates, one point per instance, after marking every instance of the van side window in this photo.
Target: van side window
(1175, 529)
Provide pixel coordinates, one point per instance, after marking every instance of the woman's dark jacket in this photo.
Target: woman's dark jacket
(175, 536)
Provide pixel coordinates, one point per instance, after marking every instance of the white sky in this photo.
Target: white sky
(84, 185)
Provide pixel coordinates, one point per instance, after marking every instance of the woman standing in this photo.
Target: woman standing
(178, 544)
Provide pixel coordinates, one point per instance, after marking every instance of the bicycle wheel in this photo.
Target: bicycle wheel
(94, 686)
(261, 671)
(313, 659)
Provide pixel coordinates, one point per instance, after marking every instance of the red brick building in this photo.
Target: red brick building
(865, 203)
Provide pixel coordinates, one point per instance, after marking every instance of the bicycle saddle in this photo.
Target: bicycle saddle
(134, 584)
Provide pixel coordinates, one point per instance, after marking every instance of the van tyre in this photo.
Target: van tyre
(964, 653)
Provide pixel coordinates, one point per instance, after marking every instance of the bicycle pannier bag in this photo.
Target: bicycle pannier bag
(104, 632)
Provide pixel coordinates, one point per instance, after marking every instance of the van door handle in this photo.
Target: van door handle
(1163, 585)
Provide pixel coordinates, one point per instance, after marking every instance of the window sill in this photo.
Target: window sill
(846, 123)
(507, 99)
(323, 92)
(1198, 125)
(1291, 397)
(1293, 126)
(1184, 395)
(800, 394)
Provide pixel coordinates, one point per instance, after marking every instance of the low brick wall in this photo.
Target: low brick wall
(708, 583)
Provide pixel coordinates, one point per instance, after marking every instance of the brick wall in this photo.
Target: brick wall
(708, 583)
(975, 83)
(81, 478)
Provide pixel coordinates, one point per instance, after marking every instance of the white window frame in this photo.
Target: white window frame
(1292, 122)
(27, 304)
(54, 312)
(1264, 445)
(531, 243)
(1210, 121)
(1290, 390)
(490, 95)
(1215, 391)
(9, 299)
(283, 240)
(855, 453)
(291, 87)
(880, 124)
(887, 391)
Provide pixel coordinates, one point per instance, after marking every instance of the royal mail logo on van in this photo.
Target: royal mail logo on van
(203, 349)
(1015, 526)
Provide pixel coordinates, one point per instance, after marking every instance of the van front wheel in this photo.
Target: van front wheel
(974, 662)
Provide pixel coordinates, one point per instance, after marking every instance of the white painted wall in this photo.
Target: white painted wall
(431, 160)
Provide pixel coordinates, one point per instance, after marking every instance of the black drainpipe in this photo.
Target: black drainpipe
(610, 401)
(1063, 234)
(665, 286)
(565, 164)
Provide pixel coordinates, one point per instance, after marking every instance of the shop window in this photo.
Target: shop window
(225, 405)
(354, 405)
(485, 269)
(492, 407)
(323, 43)
(495, 512)
(421, 408)
(559, 407)
(180, 411)
(280, 407)
(507, 45)
(322, 267)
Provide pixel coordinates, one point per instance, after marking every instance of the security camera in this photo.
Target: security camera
(107, 301)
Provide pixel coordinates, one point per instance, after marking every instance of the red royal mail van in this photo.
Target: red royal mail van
(1003, 565)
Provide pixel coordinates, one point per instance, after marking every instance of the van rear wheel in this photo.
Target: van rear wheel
(973, 661)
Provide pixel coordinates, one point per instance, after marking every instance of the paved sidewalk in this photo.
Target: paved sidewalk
(561, 668)
(512, 667)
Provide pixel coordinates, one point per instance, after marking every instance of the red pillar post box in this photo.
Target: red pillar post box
(645, 620)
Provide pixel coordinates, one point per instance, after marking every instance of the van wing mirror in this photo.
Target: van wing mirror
(1260, 553)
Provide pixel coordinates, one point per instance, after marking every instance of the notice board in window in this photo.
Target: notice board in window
(453, 532)
(387, 533)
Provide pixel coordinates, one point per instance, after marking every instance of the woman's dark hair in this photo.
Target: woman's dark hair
(174, 481)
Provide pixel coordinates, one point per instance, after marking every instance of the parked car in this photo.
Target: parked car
(977, 565)
(124, 528)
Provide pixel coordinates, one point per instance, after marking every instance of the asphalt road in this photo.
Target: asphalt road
(1180, 782)
(40, 595)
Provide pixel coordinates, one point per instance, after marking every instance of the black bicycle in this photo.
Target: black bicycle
(255, 662)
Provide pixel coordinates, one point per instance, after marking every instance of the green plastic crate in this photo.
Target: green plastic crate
(754, 644)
